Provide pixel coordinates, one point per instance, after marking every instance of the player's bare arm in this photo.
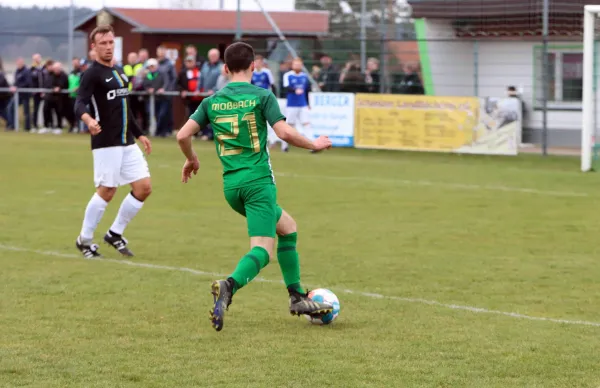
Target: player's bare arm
(93, 126)
(146, 143)
(184, 138)
(288, 134)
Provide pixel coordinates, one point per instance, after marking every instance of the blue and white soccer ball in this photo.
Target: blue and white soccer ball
(326, 296)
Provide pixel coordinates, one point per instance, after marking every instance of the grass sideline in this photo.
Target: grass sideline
(457, 229)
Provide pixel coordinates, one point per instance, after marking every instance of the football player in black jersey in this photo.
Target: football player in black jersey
(117, 158)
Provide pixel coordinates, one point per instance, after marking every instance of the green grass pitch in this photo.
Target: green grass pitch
(391, 234)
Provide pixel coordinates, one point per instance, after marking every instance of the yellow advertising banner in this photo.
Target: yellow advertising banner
(442, 124)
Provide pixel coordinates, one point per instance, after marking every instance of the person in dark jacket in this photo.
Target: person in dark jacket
(135, 82)
(154, 83)
(329, 77)
(188, 83)
(354, 80)
(47, 108)
(284, 67)
(372, 77)
(191, 50)
(58, 81)
(169, 74)
(36, 82)
(411, 83)
(188, 80)
(22, 80)
(4, 96)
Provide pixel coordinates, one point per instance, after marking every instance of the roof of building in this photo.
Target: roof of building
(505, 18)
(499, 8)
(186, 21)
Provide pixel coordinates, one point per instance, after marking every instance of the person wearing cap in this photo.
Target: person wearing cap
(187, 82)
(155, 83)
(83, 65)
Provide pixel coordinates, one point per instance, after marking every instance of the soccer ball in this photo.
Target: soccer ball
(326, 296)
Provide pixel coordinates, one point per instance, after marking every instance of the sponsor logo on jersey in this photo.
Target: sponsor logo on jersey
(112, 94)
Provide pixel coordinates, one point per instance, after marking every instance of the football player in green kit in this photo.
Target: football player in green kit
(238, 115)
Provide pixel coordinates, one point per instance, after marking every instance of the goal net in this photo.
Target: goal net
(590, 145)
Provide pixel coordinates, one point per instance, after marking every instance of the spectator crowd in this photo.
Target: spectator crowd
(198, 78)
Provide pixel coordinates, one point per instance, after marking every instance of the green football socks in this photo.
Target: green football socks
(289, 262)
(249, 266)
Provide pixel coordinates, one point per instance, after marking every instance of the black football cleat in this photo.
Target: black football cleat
(301, 304)
(119, 243)
(222, 294)
(89, 251)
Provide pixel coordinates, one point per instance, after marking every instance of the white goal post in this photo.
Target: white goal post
(588, 129)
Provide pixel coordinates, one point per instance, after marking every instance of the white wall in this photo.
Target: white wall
(500, 63)
(451, 60)
(512, 63)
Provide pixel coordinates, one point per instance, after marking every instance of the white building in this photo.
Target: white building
(474, 48)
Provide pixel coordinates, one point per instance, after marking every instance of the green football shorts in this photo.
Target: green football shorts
(258, 204)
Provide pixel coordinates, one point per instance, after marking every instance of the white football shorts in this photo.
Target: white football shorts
(295, 115)
(121, 165)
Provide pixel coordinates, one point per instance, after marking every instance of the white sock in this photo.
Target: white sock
(93, 214)
(129, 208)
(284, 145)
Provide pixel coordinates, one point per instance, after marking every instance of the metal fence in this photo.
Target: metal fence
(441, 47)
(470, 66)
(29, 91)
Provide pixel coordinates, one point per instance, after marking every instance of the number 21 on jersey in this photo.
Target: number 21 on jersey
(234, 122)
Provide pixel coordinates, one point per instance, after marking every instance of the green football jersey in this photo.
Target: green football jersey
(238, 114)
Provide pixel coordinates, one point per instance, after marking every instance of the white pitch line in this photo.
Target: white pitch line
(460, 186)
(477, 310)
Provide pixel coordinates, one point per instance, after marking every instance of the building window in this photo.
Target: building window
(572, 76)
(565, 78)
(405, 31)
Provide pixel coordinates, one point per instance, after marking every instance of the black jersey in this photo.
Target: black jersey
(103, 94)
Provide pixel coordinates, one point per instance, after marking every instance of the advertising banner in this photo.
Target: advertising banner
(442, 124)
(332, 114)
